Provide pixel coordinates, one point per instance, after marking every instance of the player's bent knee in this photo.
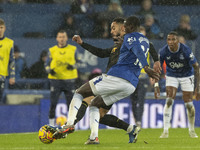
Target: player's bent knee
(102, 112)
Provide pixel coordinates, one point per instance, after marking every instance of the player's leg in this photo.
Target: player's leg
(187, 86)
(68, 87)
(134, 100)
(138, 106)
(55, 92)
(83, 108)
(111, 90)
(171, 89)
(81, 93)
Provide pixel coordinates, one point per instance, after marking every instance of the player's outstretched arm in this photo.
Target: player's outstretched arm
(99, 52)
(197, 79)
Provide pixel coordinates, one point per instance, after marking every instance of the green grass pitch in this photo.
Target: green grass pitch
(109, 140)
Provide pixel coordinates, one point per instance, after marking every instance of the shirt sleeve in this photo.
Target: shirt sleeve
(190, 56)
(99, 52)
(134, 45)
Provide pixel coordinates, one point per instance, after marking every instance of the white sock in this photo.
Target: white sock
(191, 115)
(167, 114)
(94, 122)
(73, 108)
(129, 129)
(52, 121)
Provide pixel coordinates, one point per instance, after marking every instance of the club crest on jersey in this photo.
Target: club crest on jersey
(181, 56)
(131, 40)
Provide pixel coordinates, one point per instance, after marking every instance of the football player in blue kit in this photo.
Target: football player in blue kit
(119, 82)
(182, 68)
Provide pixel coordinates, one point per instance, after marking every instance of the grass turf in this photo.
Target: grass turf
(109, 140)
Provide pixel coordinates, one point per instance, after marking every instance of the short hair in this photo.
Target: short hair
(62, 31)
(134, 21)
(2, 22)
(173, 33)
(119, 20)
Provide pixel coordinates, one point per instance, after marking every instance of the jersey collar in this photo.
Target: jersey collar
(63, 46)
(2, 38)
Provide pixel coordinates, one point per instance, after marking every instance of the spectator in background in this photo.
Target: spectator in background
(105, 18)
(152, 28)
(20, 64)
(69, 25)
(82, 7)
(146, 8)
(37, 70)
(185, 29)
(181, 39)
(95, 72)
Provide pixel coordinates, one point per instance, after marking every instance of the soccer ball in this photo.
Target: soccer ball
(61, 120)
(45, 136)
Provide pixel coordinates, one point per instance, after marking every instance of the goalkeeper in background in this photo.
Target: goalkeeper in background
(62, 73)
(7, 61)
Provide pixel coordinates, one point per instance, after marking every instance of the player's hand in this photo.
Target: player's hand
(12, 81)
(157, 67)
(52, 72)
(70, 67)
(197, 94)
(152, 73)
(77, 39)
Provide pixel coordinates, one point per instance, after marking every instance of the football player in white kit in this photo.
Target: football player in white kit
(182, 68)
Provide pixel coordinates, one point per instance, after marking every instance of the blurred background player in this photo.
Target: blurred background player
(7, 61)
(62, 72)
(182, 68)
(138, 97)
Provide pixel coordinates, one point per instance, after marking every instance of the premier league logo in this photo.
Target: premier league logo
(131, 40)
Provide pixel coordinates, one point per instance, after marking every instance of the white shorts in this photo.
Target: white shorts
(187, 83)
(111, 88)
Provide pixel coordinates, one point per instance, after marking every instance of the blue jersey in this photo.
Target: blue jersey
(132, 58)
(179, 63)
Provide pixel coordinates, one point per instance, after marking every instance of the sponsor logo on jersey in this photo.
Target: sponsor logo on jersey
(176, 65)
(113, 50)
(62, 53)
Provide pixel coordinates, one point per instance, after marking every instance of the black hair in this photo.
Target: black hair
(119, 20)
(173, 33)
(134, 21)
(62, 31)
